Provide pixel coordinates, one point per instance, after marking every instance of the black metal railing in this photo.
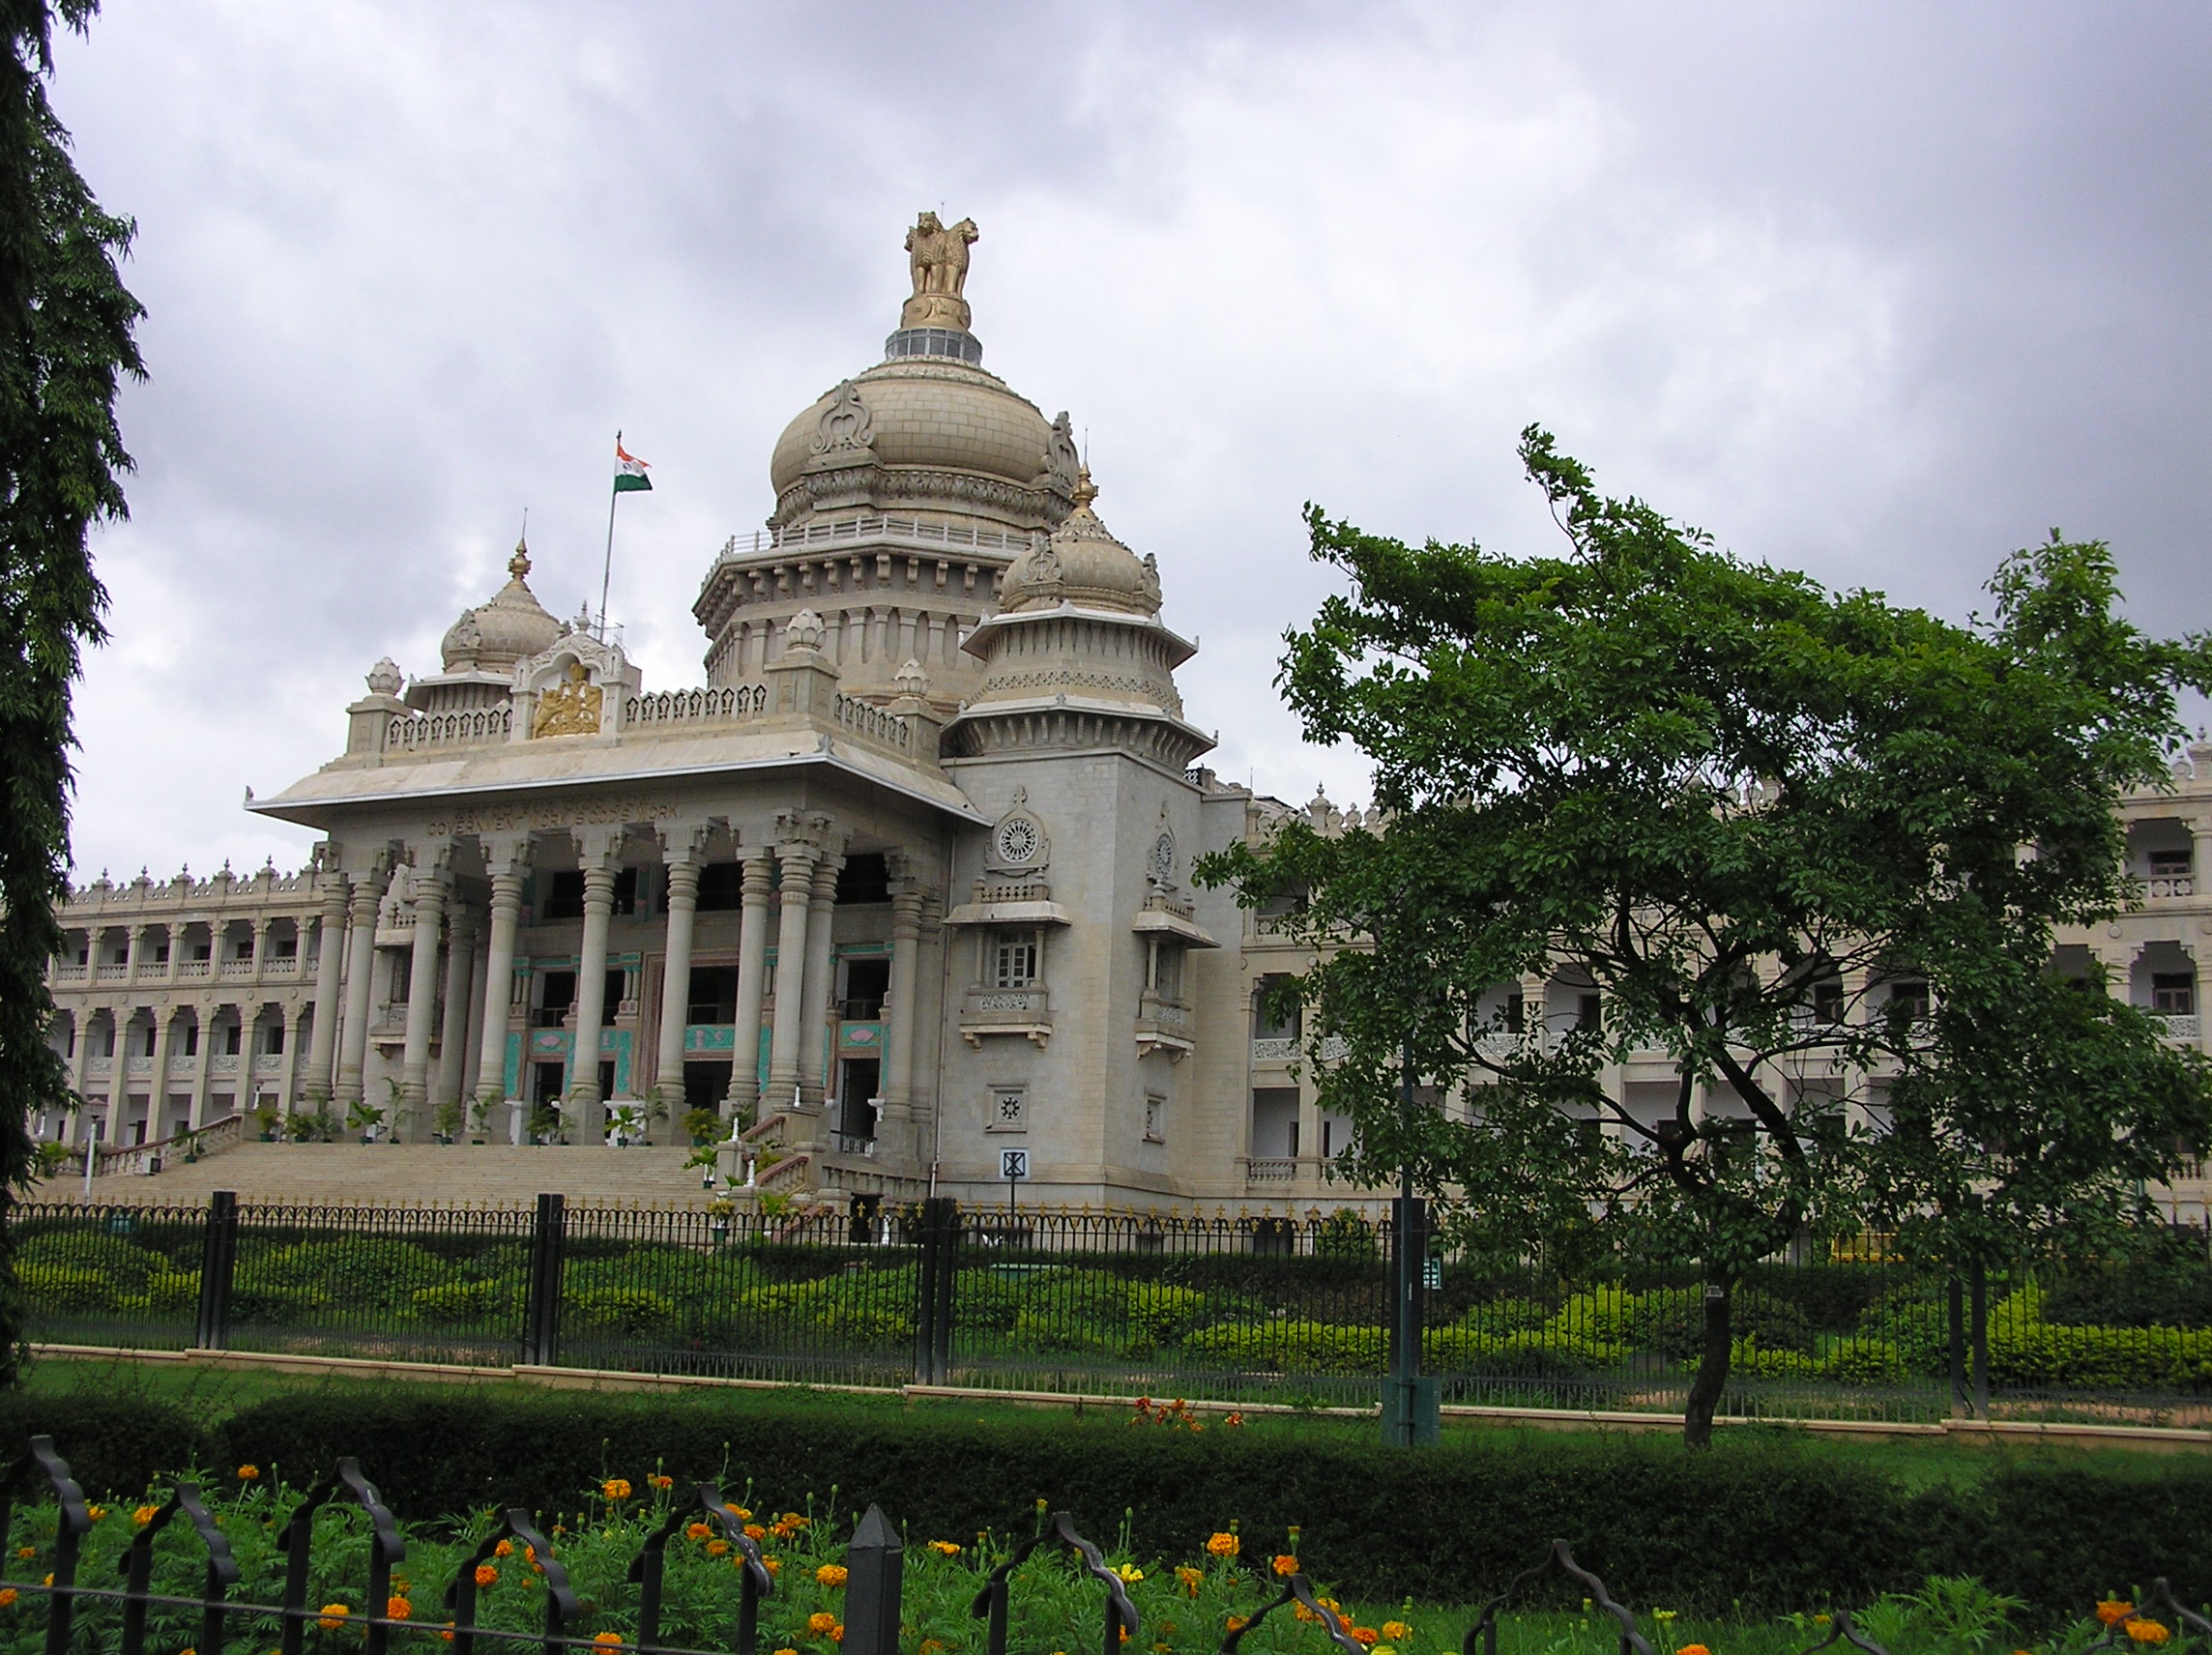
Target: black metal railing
(1017, 1298)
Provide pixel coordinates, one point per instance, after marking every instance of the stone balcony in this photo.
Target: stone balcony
(1006, 1011)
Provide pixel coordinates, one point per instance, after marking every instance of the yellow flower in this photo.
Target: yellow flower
(145, 1514)
(831, 1573)
(333, 1616)
(616, 1489)
(26, 1550)
(838, 1632)
(1130, 1574)
(1224, 1545)
(1396, 1631)
(246, 1473)
(1189, 1578)
(96, 1512)
(738, 1511)
(2147, 1632)
(397, 1608)
(1665, 1614)
(1366, 1635)
(773, 1565)
(1693, 1649)
(945, 1547)
(1236, 1623)
(787, 1653)
(1821, 1620)
(754, 1531)
(1285, 1565)
(819, 1624)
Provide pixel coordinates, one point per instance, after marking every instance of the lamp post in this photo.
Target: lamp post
(1410, 1399)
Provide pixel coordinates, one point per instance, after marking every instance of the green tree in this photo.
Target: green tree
(67, 346)
(1767, 831)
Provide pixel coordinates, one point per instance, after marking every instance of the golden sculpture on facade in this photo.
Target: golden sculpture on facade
(938, 264)
(570, 708)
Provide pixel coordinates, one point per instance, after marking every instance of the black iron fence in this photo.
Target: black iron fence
(1268, 1308)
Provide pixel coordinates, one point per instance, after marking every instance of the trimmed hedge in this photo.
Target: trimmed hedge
(1766, 1523)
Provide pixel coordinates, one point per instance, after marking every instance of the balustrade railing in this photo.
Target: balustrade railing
(872, 529)
(410, 730)
(2160, 886)
(723, 705)
(867, 720)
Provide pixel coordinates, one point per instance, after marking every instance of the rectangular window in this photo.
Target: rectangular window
(867, 983)
(192, 1039)
(1516, 1014)
(1009, 1109)
(160, 953)
(1267, 1025)
(402, 976)
(2173, 993)
(721, 886)
(1155, 1118)
(865, 878)
(1167, 970)
(1909, 998)
(151, 1037)
(611, 994)
(275, 1043)
(1014, 960)
(563, 896)
(1828, 1002)
(625, 900)
(230, 1039)
(2165, 865)
(714, 995)
(1588, 1019)
(286, 948)
(245, 949)
(556, 993)
(202, 950)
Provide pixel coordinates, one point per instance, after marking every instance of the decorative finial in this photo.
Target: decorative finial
(1085, 491)
(804, 631)
(518, 566)
(385, 677)
(912, 679)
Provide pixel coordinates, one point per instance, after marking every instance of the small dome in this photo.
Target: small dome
(512, 627)
(1084, 564)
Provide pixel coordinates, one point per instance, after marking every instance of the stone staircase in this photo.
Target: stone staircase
(406, 1174)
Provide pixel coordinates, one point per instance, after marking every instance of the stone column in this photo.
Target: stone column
(744, 1098)
(361, 966)
(328, 949)
(158, 1090)
(136, 955)
(288, 1073)
(261, 930)
(681, 852)
(413, 1124)
(821, 980)
(119, 1072)
(900, 1011)
(81, 1073)
(454, 1015)
(505, 859)
(204, 1070)
(797, 860)
(471, 1036)
(587, 1108)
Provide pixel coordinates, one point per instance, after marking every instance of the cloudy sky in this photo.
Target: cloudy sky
(1881, 292)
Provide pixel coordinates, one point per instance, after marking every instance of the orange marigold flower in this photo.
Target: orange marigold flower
(2147, 1632)
(698, 1530)
(505, 1548)
(486, 1574)
(7, 1597)
(145, 1514)
(2112, 1611)
(1224, 1545)
(838, 1632)
(398, 1609)
(1396, 1631)
(333, 1616)
(246, 1473)
(796, 1521)
(773, 1565)
(49, 1579)
(660, 1481)
(819, 1622)
(717, 1548)
(1237, 1622)
(787, 1653)
(931, 1645)
(736, 1511)
(606, 1637)
(944, 1549)
(1366, 1635)
(96, 1512)
(26, 1550)
(754, 1531)
(831, 1573)
(1188, 1578)
(1693, 1649)
(1285, 1565)
(616, 1489)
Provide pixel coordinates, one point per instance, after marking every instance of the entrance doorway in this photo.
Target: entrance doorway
(858, 1079)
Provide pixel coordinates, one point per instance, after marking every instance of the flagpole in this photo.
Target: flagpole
(607, 568)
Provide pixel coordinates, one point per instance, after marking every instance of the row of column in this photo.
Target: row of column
(296, 1021)
(804, 864)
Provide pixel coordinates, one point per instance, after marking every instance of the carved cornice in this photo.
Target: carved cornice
(866, 481)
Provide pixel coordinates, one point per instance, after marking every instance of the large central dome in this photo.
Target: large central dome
(927, 432)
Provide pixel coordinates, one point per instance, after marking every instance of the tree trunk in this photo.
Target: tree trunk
(1712, 1368)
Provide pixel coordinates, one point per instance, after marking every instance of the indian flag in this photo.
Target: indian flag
(629, 470)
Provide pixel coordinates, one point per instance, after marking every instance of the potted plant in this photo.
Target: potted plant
(188, 1140)
(265, 1123)
(477, 1119)
(302, 1126)
(447, 1122)
(364, 1117)
(544, 1123)
(627, 1122)
(704, 1125)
